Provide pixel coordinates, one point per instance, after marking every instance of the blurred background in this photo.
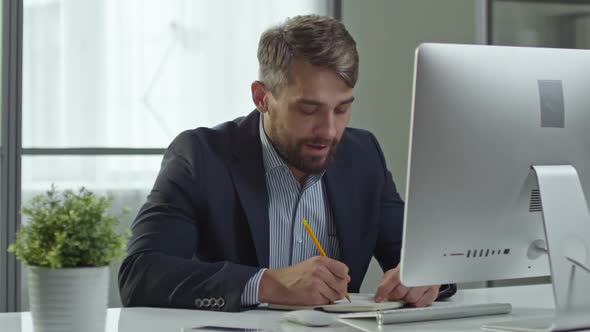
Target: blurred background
(107, 84)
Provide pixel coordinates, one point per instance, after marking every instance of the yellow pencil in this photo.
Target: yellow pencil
(317, 244)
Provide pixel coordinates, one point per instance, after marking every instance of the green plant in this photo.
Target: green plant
(69, 229)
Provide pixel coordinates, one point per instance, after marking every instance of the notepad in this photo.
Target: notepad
(359, 303)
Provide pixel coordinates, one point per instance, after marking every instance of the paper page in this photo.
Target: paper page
(359, 302)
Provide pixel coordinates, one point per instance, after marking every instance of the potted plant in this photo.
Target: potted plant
(68, 243)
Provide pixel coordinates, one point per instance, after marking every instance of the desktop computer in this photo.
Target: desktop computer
(498, 163)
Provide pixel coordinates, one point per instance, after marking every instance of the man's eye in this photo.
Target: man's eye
(308, 110)
(341, 110)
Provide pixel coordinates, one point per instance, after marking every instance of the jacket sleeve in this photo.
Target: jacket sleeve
(389, 240)
(160, 268)
(391, 214)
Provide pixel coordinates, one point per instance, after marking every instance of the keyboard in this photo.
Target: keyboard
(436, 312)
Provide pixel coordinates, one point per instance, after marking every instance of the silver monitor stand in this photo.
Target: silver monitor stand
(567, 230)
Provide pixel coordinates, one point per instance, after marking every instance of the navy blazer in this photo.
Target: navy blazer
(204, 230)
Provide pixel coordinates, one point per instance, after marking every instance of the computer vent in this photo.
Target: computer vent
(535, 203)
(473, 253)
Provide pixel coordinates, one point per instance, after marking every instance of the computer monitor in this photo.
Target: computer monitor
(482, 118)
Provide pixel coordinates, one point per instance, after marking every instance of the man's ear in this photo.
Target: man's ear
(259, 96)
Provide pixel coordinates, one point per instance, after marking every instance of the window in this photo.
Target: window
(107, 85)
(563, 23)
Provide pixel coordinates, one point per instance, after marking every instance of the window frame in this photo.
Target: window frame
(12, 33)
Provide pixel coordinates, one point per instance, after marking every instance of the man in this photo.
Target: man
(221, 228)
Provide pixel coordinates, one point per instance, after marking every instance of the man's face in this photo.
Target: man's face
(306, 120)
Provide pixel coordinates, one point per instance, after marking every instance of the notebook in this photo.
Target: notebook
(359, 303)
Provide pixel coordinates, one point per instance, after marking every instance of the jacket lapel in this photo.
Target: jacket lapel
(339, 188)
(247, 171)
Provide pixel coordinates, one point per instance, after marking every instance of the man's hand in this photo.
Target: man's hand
(318, 280)
(391, 288)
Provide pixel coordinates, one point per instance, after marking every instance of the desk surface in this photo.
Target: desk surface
(527, 302)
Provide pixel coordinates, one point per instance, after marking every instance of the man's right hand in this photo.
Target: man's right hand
(318, 280)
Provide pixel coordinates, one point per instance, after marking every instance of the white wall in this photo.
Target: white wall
(387, 32)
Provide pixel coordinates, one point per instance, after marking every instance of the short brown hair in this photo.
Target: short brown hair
(320, 40)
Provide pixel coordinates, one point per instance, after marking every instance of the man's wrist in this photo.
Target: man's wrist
(269, 288)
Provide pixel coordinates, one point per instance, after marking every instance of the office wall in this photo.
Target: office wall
(387, 32)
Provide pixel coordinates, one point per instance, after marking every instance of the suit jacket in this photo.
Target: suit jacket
(204, 230)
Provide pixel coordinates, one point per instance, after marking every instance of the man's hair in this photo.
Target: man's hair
(319, 40)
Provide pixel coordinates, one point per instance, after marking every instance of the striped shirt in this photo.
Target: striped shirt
(289, 202)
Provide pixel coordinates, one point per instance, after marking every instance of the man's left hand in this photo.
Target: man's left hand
(392, 289)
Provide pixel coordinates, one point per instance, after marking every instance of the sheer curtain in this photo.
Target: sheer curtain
(133, 74)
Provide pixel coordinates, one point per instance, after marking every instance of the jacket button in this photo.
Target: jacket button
(198, 303)
(220, 302)
(206, 302)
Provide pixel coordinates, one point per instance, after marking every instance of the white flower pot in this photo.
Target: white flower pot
(68, 299)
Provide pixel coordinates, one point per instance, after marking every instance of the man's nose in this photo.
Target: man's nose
(326, 128)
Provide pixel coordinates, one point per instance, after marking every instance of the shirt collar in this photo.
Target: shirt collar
(270, 156)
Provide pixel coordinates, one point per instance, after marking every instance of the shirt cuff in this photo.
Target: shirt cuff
(250, 293)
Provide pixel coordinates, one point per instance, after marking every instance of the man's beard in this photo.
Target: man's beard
(292, 153)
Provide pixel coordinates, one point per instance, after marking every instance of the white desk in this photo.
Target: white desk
(527, 301)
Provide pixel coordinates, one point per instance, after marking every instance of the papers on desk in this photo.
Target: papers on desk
(219, 328)
(359, 303)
